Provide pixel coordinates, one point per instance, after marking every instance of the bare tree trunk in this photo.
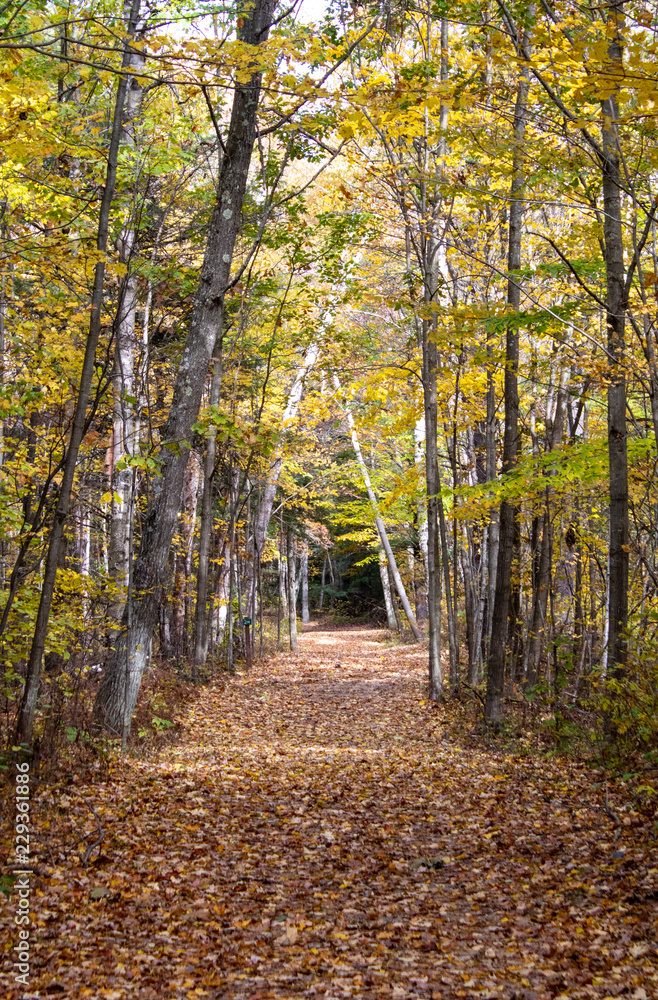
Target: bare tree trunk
(125, 431)
(283, 581)
(386, 587)
(200, 633)
(494, 709)
(540, 601)
(304, 571)
(493, 527)
(279, 602)
(419, 459)
(433, 486)
(555, 412)
(183, 558)
(324, 572)
(111, 708)
(484, 583)
(399, 586)
(617, 598)
(292, 604)
(332, 577)
(222, 596)
(453, 649)
(229, 610)
(33, 674)
(430, 268)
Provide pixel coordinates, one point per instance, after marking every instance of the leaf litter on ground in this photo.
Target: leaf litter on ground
(314, 834)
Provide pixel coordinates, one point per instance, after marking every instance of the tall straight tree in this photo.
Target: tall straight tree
(201, 614)
(30, 692)
(617, 598)
(494, 708)
(118, 693)
(618, 279)
(125, 432)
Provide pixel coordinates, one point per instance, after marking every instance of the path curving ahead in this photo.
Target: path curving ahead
(316, 833)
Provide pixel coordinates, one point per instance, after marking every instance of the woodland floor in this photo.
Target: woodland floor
(316, 832)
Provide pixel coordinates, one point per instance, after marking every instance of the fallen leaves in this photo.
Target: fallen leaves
(289, 936)
(315, 835)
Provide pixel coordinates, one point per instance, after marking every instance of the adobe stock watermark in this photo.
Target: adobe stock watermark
(22, 888)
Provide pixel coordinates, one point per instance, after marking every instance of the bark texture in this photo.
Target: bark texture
(617, 598)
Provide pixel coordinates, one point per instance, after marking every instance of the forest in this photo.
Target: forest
(329, 499)
(355, 315)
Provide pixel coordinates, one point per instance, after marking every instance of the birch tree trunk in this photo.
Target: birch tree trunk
(419, 459)
(430, 266)
(118, 693)
(283, 581)
(381, 529)
(222, 597)
(453, 648)
(292, 604)
(324, 572)
(125, 430)
(304, 571)
(386, 587)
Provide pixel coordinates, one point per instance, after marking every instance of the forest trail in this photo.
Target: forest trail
(315, 832)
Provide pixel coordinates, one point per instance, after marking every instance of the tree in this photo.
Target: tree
(494, 710)
(29, 700)
(118, 693)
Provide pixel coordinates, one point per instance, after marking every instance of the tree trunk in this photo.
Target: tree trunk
(205, 530)
(617, 597)
(125, 431)
(274, 471)
(555, 414)
(494, 524)
(183, 558)
(453, 648)
(381, 529)
(324, 576)
(542, 583)
(304, 571)
(292, 604)
(112, 708)
(419, 459)
(229, 610)
(386, 587)
(33, 674)
(222, 596)
(430, 364)
(494, 708)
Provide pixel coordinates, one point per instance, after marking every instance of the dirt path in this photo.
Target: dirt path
(315, 834)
